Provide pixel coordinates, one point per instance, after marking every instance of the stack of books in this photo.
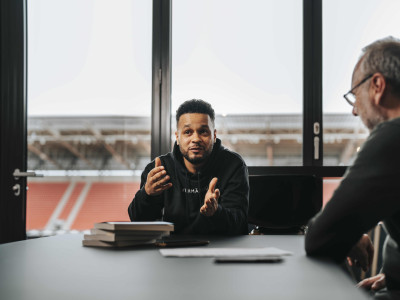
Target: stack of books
(125, 234)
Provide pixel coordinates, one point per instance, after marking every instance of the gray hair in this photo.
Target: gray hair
(383, 56)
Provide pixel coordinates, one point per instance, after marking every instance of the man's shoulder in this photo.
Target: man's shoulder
(391, 125)
(166, 160)
(383, 134)
(231, 155)
(381, 147)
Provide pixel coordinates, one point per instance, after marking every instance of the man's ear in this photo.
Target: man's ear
(378, 88)
(176, 137)
(215, 135)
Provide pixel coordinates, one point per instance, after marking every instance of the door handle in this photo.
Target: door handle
(17, 174)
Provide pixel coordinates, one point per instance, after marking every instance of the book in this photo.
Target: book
(110, 236)
(117, 244)
(136, 226)
(128, 232)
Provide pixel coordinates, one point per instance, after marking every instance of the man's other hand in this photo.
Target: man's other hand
(362, 253)
(157, 180)
(211, 199)
(373, 283)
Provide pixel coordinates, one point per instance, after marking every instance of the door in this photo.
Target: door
(12, 120)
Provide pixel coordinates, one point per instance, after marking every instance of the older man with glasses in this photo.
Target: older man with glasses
(370, 190)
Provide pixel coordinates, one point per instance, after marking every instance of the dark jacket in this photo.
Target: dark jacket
(181, 203)
(369, 193)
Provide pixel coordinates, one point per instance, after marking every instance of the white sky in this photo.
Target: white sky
(93, 57)
(89, 57)
(350, 25)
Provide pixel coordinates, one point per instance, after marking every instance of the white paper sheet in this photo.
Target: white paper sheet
(223, 252)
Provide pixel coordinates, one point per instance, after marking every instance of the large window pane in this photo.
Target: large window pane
(245, 58)
(348, 27)
(89, 106)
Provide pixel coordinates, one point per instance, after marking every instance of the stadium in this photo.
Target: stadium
(92, 165)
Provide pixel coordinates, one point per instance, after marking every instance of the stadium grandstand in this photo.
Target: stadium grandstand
(92, 164)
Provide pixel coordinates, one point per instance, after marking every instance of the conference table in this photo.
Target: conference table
(59, 267)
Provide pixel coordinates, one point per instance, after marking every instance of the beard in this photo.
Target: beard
(196, 160)
(373, 118)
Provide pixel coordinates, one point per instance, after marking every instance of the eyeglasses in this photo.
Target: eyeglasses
(349, 96)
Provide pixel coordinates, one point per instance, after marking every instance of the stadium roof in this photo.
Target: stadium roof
(111, 143)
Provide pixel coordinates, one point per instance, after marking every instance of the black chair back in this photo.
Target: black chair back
(283, 203)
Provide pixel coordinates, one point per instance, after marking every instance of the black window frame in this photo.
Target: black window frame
(312, 91)
(161, 95)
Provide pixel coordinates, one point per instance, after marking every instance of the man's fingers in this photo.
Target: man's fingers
(208, 209)
(157, 179)
(216, 205)
(154, 171)
(160, 187)
(157, 168)
(212, 185)
(158, 162)
(159, 176)
(211, 206)
(217, 194)
(160, 181)
(210, 202)
(203, 210)
(375, 283)
(163, 187)
(214, 202)
(379, 284)
(366, 283)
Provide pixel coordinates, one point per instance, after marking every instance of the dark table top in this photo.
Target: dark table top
(61, 268)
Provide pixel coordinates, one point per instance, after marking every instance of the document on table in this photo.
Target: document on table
(223, 252)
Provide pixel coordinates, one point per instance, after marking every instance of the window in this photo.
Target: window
(89, 106)
(348, 26)
(245, 58)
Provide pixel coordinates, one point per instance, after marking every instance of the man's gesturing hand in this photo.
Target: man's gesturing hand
(362, 253)
(373, 283)
(211, 199)
(157, 180)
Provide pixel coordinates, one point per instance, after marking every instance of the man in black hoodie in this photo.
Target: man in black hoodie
(370, 190)
(200, 186)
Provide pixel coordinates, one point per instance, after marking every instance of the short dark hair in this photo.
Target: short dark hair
(195, 106)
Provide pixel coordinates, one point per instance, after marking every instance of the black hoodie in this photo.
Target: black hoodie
(181, 203)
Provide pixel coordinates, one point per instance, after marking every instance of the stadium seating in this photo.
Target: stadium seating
(42, 199)
(87, 203)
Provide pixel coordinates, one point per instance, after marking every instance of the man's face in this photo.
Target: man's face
(195, 136)
(364, 106)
